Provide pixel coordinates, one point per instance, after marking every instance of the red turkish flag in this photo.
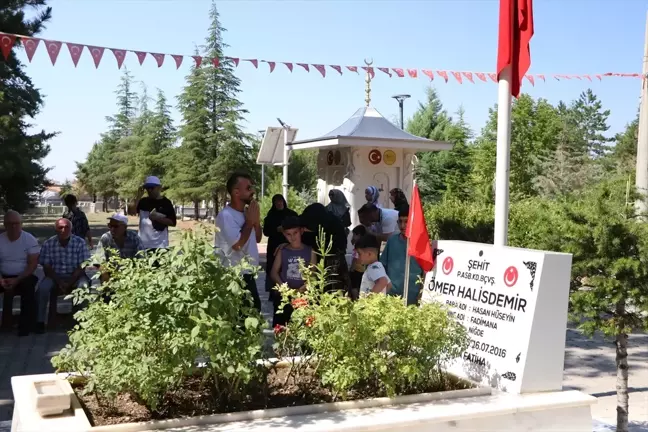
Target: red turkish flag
(198, 60)
(321, 69)
(289, 66)
(400, 72)
(430, 74)
(457, 76)
(305, 66)
(413, 73)
(271, 64)
(75, 52)
(493, 77)
(353, 68)
(178, 59)
(216, 62)
(515, 32)
(235, 60)
(370, 71)
(120, 55)
(53, 49)
(531, 79)
(255, 62)
(30, 45)
(419, 239)
(385, 70)
(337, 68)
(96, 53)
(481, 76)
(443, 74)
(6, 44)
(468, 75)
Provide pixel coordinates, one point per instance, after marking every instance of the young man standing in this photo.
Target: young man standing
(239, 229)
(393, 259)
(156, 214)
(74, 214)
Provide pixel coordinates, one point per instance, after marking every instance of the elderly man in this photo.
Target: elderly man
(62, 258)
(18, 261)
(120, 239)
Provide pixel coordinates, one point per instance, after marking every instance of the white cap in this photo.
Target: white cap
(152, 181)
(118, 217)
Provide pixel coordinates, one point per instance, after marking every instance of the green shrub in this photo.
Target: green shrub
(296, 200)
(376, 342)
(160, 319)
(459, 220)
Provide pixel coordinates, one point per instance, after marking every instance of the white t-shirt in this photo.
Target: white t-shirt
(374, 272)
(13, 255)
(230, 223)
(388, 221)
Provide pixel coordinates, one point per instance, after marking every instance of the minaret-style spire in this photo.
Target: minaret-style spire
(368, 81)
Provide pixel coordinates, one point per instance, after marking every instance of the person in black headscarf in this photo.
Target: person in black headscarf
(272, 230)
(314, 217)
(397, 196)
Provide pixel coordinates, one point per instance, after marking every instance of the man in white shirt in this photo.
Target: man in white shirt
(386, 219)
(18, 261)
(239, 229)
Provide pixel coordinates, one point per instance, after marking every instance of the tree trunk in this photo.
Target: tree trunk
(196, 209)
(622, 370)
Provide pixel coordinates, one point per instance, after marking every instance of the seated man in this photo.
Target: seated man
(393, 259)
(62, 258)
(18, 261)
(119, 239)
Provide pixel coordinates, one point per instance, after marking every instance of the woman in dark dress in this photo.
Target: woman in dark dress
(272, 229)
(314, 217)
(340, 208)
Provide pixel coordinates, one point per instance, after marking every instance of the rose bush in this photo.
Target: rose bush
(376, 342)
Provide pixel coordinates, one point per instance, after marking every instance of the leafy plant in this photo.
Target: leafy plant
(375, 342)
(165, 310)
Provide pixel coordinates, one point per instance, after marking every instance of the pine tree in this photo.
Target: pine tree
(21, 153)
(213, 142)
(430, 121)
(592, 121)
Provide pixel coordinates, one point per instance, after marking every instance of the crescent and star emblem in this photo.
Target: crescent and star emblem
(375, 157)
(510, 276)
(448, 264)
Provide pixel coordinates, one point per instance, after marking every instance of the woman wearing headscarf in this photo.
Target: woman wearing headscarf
(397, 196)
(372, 194)
(316, 217)
(272, 230)
(339, 207)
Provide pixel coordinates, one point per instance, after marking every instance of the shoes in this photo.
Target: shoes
(39, 328)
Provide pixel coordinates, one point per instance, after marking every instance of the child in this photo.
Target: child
(286, 269)
(374, 279)
(357, 269)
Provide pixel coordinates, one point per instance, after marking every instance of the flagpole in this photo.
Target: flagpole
(407, 255)
(503, 157)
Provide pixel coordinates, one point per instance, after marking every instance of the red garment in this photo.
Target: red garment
(515, 32)
(417, 233)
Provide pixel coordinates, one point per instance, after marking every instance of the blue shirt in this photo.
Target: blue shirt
(64, 259)
(393, 259)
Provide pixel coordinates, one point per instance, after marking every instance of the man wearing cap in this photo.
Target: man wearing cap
(156, 214)
(120, 239)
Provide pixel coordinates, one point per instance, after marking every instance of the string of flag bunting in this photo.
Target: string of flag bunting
(53, 48)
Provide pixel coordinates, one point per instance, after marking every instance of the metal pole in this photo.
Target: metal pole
(262, 179)
(286, 155)
(502, 164)
(641, 181)
(400, 104)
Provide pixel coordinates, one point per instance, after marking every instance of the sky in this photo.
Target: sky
(571, 37)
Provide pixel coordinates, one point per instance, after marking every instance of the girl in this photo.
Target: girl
(273, 230)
